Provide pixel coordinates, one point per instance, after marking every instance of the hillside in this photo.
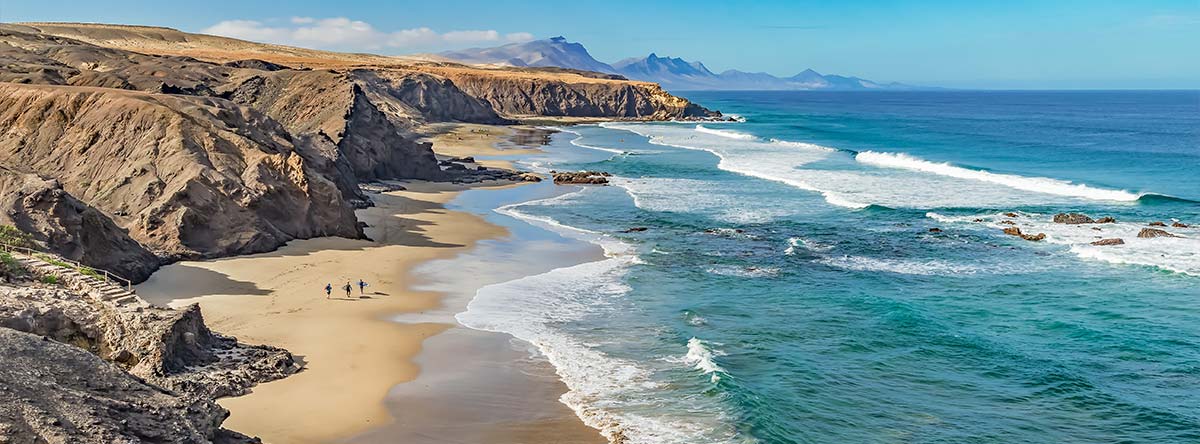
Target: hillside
(198, 146)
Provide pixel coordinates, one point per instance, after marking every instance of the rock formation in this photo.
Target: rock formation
(81, 370)
(1148, 233)
(582, 178)
(1014, 231)
(62, 224)
(1072, 218)
(1113, 241)
(199, 146)
(53, 392)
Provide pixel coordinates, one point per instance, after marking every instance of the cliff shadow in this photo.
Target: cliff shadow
(184, 281)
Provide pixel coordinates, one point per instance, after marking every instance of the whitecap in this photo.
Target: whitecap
(1034, 184)
(701, 356)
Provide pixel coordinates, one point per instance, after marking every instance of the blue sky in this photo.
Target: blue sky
(969, 44)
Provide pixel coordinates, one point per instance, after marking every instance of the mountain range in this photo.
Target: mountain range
(671, 73)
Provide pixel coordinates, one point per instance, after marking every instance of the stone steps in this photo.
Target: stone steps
(105, 290)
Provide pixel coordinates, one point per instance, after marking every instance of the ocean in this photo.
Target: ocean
(833, 268)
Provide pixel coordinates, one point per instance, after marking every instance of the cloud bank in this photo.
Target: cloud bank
(341, 33)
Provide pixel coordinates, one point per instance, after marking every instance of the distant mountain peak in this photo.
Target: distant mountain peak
(672, 73)
(554, 51)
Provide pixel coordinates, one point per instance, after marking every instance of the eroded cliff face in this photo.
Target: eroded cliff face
(541, 95)
(68, 227)
(201, 146)
(187, 176)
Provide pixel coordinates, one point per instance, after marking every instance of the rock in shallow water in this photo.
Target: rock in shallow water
(1072, 218)
(1014, 231)
(1148, 233)
(1113, 241)
(582, 178)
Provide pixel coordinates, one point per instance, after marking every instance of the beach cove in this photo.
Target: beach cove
(356, 350)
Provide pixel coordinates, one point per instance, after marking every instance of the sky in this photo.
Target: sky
(1013, 44)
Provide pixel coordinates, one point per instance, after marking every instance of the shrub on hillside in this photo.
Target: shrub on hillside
(9, 267)
(12, 236)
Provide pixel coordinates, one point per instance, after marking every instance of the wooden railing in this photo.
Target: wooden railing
(42, 256)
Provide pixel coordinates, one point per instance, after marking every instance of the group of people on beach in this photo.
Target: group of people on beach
(362, 287)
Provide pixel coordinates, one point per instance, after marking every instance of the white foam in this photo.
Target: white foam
(699, 197)
(579, 137)
(799, 242)
(805, 145)
(880, 182)
(1177, 254)
(701, 357)
(742, 153)
(729, 134)
(1034, 184)
(745, 272)
(902, 266)
(601, 387)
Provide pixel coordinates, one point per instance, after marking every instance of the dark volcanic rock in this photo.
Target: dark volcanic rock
(1179, 225)
(1113, 241)
(582, 177)
(54, 392)
(1157, 224)
(1106, 220)
(1154, 232)
(261, 65)
(1072, 218)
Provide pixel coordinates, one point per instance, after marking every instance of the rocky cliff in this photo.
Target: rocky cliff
(64, 225)
(79, 370)
(539, 94)
(188, 176)
(198, 146)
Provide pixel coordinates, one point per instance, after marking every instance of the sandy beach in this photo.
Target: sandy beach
(353, 352)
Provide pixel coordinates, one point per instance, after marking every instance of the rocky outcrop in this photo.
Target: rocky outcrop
(1077, 219)
(1072, 218)
(61, 224)
(581, 178)
(1157, 224)
(523, 96)
(1149, 233)
(187, 176)
(1113, 241)
(1178, 224)
(54, 392)
(169, 348)
(1014, 231)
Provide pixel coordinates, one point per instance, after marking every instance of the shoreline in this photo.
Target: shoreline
(355, 352)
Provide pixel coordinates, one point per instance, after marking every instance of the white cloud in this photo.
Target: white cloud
(519, 37)
(345, 34)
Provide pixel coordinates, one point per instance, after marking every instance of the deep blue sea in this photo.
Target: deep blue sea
(787, 287)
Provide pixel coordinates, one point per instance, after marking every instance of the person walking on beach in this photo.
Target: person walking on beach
(361, 286)
(347, 288)
(328, 290)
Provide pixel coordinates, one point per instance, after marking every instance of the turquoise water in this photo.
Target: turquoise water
(788, 288)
